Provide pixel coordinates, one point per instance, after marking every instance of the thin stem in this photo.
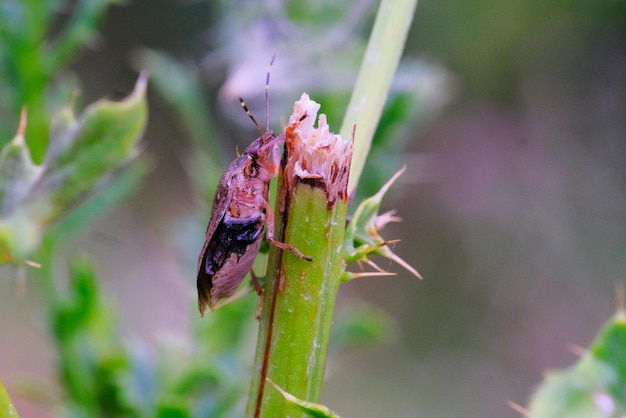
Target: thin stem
(373, 83)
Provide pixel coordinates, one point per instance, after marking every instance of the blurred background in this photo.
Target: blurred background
(511, 119)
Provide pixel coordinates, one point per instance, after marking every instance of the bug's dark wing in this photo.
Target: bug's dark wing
(221, 202)
(227, 259)
(204, 284)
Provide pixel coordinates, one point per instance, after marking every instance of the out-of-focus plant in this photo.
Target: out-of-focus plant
(6, 407)
(55, 161)
(38, 39)
(81, 154)
(595, 386)
(57, 174)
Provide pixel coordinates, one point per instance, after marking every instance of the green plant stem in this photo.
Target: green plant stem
(381, 60)
(298, 304)
(299, 295)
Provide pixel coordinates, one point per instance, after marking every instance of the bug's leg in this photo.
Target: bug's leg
(281, 245)
(259, 291)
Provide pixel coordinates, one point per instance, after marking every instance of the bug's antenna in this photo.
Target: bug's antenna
(267, 102)
(245, 108)
(267, 94)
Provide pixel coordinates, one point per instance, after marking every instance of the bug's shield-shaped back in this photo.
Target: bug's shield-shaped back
(233, 238)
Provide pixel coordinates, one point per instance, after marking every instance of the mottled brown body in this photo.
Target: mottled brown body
(240, 212)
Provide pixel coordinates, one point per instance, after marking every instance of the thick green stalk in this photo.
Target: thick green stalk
(298, 305)
(300, 295)
(379, 65)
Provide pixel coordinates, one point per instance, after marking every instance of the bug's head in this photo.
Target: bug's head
(265, 151)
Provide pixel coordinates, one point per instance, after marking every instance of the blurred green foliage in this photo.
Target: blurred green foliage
(6, 407)
(55, 161)
(102, 376)
(593, 387)
(94, 368)
(81, 154)
(37, 41)
(489, 42)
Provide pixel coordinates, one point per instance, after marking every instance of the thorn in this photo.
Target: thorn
(371, 274)
(373, 265)
(406, 266)
(620, 304)
(21, 130)
(33, 264)
(390, 242)
(142, 83)
(517, 408)
(372, 248)
(576, 349)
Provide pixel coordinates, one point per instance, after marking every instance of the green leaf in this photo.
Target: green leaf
(18, 173)
(83, 153)
(310, 408)
(610, 345)
(94, 367)
(363, 231)
(384, 49)
(592, 388)
(102, 140)
(114, 191)
(6, 407)
(173, 408)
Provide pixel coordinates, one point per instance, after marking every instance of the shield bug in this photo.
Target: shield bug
(239, 215)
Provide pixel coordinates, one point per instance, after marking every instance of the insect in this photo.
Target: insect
(239, 215)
